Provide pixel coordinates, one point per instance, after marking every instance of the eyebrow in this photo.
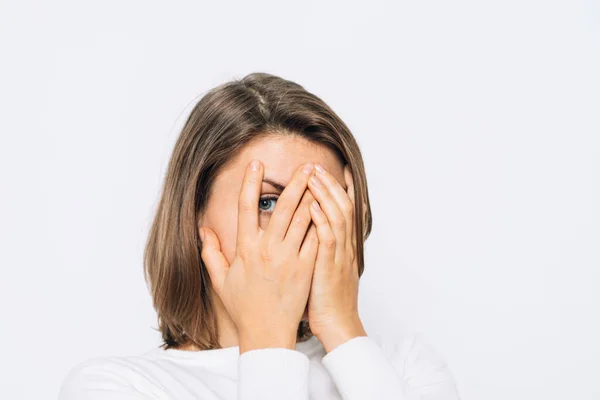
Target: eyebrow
(276, 185)
(280, 187)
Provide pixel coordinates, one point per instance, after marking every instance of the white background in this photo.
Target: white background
(480, 127)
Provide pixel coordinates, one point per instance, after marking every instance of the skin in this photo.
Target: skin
(274, 262)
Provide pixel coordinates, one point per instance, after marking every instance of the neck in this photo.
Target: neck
(228, 335)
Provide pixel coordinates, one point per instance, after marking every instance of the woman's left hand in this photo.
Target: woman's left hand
(333, 299)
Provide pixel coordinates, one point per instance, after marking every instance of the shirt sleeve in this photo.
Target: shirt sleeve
(407, 370)
(273, 374)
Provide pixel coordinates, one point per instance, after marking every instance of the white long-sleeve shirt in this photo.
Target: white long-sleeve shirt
(363, 368)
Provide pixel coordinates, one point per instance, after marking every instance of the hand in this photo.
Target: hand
(265, 289)
(333, 300)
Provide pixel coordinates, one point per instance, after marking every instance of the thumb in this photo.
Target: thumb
(214, 260)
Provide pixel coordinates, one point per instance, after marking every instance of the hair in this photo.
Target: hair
(223, 121)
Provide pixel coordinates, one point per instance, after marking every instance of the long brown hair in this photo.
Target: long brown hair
(223, 121)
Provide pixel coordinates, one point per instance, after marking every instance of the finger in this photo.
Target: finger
(334, 216)
(327, 241)
(300, 222)
(340, 196)
(248, 202)
(287, 203)
(310, 245)
(215, 262)
(350, 189)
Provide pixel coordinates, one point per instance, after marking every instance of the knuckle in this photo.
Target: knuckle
(351, 253)
(244, 249)
(348, 209)
(246, 205)
(267, 252)
(284, 207)
(329, 243)
(339, 223)
(299, 221)
(313, 239)
(266, 255)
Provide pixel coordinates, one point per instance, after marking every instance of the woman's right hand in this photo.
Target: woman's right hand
(265, 289)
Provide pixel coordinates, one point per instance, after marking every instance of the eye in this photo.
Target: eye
(267, 204)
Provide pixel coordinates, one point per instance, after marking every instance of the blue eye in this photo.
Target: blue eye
(267, 204)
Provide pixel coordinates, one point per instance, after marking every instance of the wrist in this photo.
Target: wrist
(335, 334)
(266, 339)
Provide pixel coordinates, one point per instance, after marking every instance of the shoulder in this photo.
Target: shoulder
(414, 358)
(405, 347)
(125, 377)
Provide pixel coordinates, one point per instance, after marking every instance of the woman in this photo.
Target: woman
(254, 259)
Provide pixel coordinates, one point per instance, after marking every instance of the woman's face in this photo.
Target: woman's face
(281, 155)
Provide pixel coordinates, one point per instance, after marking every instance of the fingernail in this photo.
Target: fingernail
(315, 181)
(320, 168)
(254, 165)
(307, 169)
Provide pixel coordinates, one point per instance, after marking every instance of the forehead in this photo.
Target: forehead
(281, 155)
